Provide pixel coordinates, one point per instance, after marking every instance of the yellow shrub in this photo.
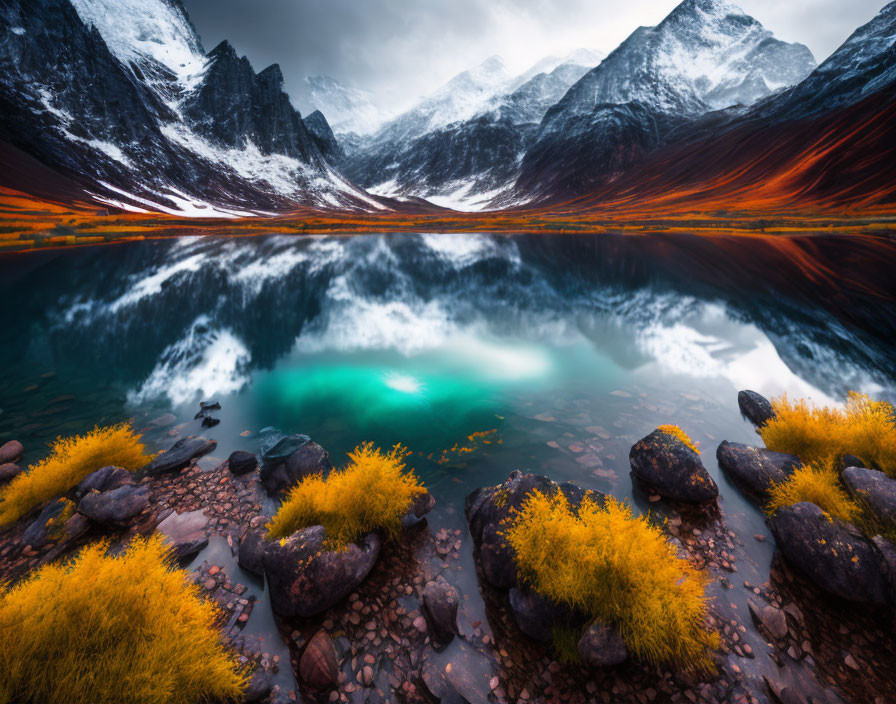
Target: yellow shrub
(677, 432)
(113, 629)
(865, 428)
(618, 568)
(372, 493)
(817, 485)
(70, 461)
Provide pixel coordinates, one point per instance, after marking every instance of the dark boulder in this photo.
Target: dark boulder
(439, 607)
(755, 408)
(180, 455)
(242, 462)
(11, 452)
(318, 667)
(305, 578)
(488, 509)
(875, 490)
(601, 645)
(209, 422)
(536, 615)
(114, 508)
(251, 552)
(185, 532)
(48, 524)
(829, 553)
(104, 479)
(755, 469)
(8, 472)
(672, 469)
(291, 459)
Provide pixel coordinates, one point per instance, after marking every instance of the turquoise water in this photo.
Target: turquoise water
(482, 354)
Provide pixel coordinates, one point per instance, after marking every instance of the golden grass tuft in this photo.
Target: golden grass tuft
(619, 568)
(373, 492)
(70, 461)
(129, 628)
(865, 428)
(817, 485)
(677, 432)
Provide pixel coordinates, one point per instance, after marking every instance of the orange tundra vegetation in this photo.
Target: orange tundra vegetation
(129, 628)
(70, 461)
(619, 568)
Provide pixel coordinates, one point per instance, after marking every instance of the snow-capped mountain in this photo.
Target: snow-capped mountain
(705, 55)
(462, 145)
(348, 110)
(120, 96)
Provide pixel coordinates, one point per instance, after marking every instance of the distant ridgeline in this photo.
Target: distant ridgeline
(705, 112)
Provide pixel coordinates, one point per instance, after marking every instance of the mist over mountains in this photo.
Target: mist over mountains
(120, 98)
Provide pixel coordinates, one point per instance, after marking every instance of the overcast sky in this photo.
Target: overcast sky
(401, 49)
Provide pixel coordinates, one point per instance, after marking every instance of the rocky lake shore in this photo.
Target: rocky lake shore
(391, 618)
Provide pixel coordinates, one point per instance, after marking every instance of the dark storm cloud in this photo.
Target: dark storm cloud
(399, 49)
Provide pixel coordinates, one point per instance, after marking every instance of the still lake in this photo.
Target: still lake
(481, 353)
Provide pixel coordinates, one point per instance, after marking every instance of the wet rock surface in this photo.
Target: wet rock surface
(116, 507)
(104, 479)
(318, 668)
(9, 471)
(439, 607)
(755, 469)
(755, 408)
(241, 462)
(875, 490)
(305, 578)
(837, 559)
(11, 452)
(291, 459)
(180, 455)
(665, 464)
(185, 532)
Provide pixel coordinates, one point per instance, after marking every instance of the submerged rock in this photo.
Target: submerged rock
(875, 490)
(755, 469)
(185, 532)
(755, 408)
(664, 463)
(11, 452)
(114, 508)
(829, 554)
(439, 607)
(291, 459)
(318, 667)
(180, 455)
(104, 479)
(601, 645)
(242, 462)
(305, 579)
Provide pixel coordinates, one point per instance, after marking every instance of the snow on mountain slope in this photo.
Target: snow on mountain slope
(120, 95)
(150, 34)
(864, 64)
(705, 55)
(461, 146)
(348, 110)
